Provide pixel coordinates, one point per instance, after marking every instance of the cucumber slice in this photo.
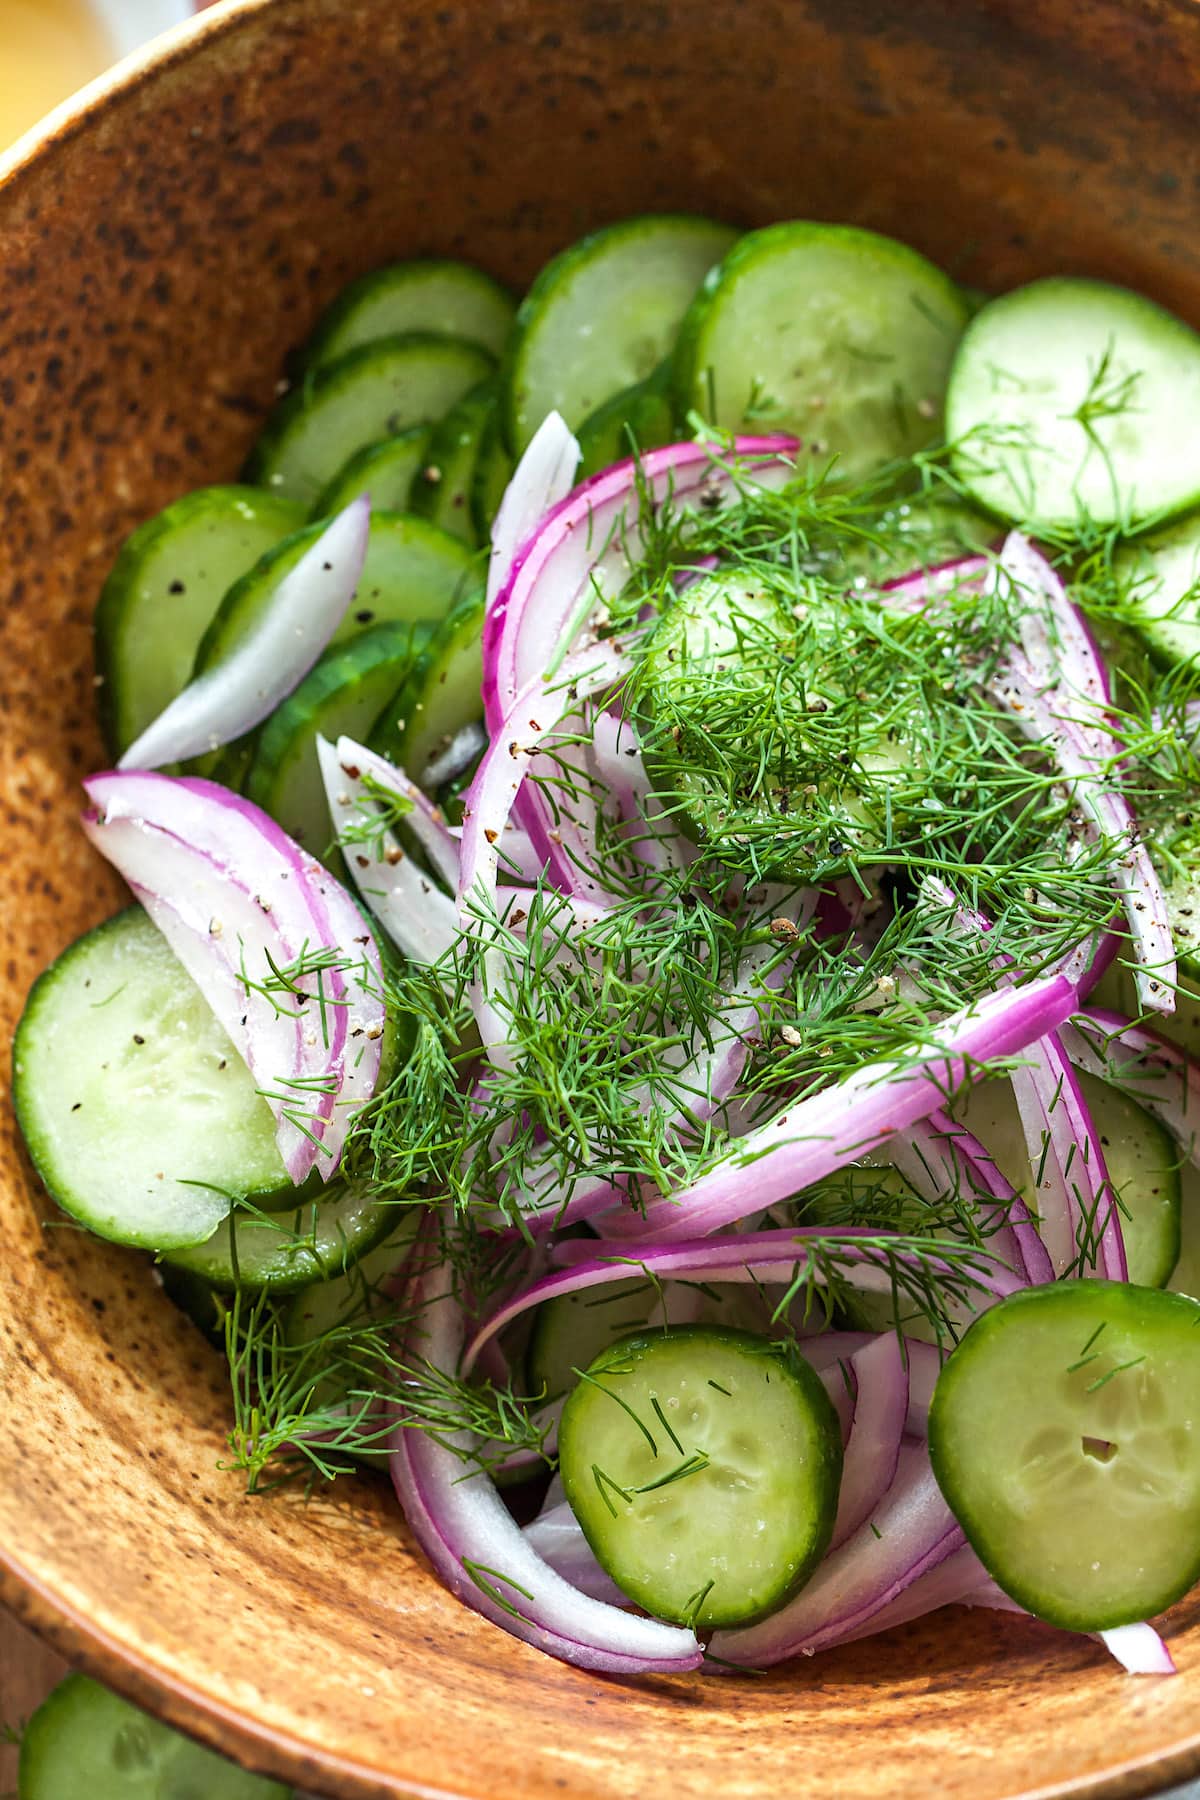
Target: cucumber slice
(165, 586)
(1141, 1156)
(448, 299)
(413, 572)
(602, 315)
(342, 695)
(138, 1113)
(442, 488)
(1186, 1276)
(490, 477)
(1062, 1434)
(368, 394)
(84, 1740)
(1159, 578)
(1074, 402)
(286, 1251)
(641, 415)
(834, 333)
(386, 471)
(441, 696)
(703, 1466)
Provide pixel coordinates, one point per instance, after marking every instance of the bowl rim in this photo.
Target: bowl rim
(60, 1623)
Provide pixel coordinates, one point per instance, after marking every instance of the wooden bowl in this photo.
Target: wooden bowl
(160, 245)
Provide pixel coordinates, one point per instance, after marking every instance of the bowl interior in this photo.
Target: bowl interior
(157, 253)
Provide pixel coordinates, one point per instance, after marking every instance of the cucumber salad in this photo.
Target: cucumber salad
(660, 1007)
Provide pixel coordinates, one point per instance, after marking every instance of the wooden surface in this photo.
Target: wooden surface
(155, 261)
(27, 1673)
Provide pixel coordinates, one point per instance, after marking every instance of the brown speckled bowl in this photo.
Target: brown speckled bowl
(160, 246)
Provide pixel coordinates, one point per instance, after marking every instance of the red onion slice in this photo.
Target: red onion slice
(557, 1537)
(238, 693)
(228, 889)
(1079, 1216)
(812, 1139)
(873, 1451)
(544, 476)
(480, 1552)
(1139, 1650)
(911, 1531)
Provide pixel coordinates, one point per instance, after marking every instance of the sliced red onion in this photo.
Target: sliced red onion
(426, 821)
(959, 575)
(1067, 710)
(420, 920)
(1139, 1650)
(1079, 1218)
(1149, 1068)
(813, 1138)
(939, 1158)
(557, 1537)
(480, 1552)
(761, 1257)
(465, 747)
(923, 1361)
(616, 756)
(578, 557)
(228, 890)
(544, 476)
(910, 1532)
(238, 693)
(872, 1453)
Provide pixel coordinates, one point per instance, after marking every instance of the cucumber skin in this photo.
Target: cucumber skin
(354, 478)
(1116, 1293)
(328, 340)
(283, 1268)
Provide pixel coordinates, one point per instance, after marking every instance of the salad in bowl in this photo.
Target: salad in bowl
(659, 1008)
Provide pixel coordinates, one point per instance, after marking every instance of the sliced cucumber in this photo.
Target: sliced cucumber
(704, 1467)
(836, 334)
(1072, 402)
(442, 488)
(1141, 1157)
(441, 696)
(366, 395)
(342, 695)
(413, 572)
(491, 475)
(83, 1740)
(449, 299)
(602, 315)
(286, 1251)
(1186, 1276)
(640, 416)
(139, 1115)
(1159, 578)
(1063, 1435)
(386, 471)
(164, 589)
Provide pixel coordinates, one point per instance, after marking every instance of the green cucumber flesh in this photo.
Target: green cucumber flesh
(86, 1740)
(1063, 1436)
(139, 1115)
(639, 417)
(441, 696)
(602, 316)
(441, 490)
(1186, 1276)
(1073, 404)
(703, 1466)
(447, 299)
(290, 1249)
(341, 696)
(836, 334)
(385, 471)
(1159, 581)
(367, 394)
(489, 478)
(1140, 1154)
(164, 589)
